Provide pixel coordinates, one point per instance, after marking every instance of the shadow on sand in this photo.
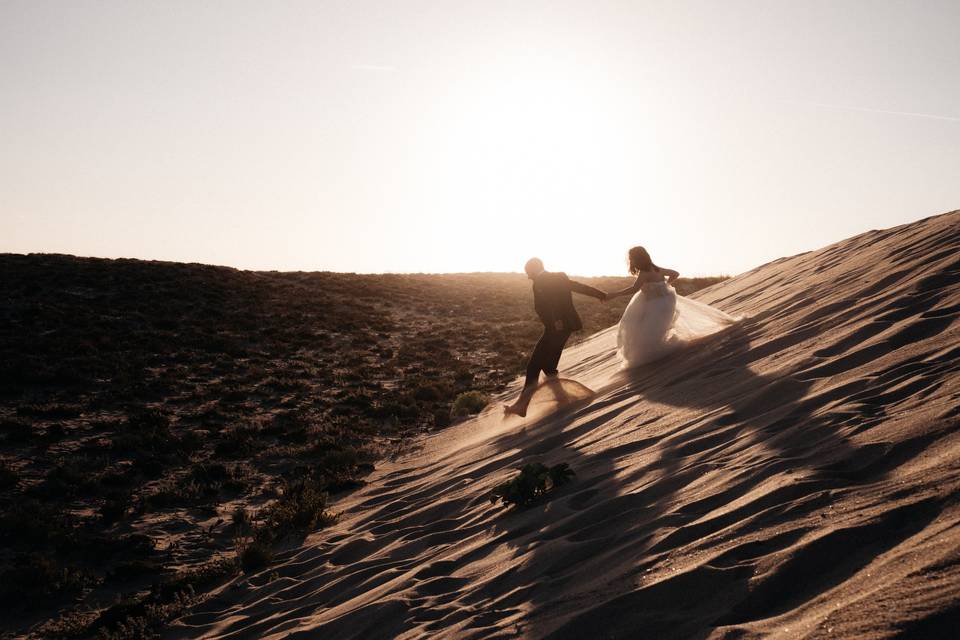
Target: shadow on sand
(758, 451)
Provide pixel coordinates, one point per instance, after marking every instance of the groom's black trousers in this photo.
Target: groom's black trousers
(546, 355)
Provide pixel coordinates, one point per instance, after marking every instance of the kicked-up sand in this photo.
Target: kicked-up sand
(794, 476)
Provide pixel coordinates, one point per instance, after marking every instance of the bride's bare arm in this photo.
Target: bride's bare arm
(671, 274)
(632, 289)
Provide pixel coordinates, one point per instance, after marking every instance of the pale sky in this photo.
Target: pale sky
(468, 136)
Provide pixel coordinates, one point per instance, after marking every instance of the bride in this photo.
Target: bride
(657, 321)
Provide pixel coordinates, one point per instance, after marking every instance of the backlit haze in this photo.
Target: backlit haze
(467, 136)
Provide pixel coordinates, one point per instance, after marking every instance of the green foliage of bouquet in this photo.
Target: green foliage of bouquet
(533, 482)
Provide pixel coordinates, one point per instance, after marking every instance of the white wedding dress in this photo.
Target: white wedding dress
(657, 322)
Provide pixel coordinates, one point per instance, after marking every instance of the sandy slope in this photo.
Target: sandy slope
(797, 476)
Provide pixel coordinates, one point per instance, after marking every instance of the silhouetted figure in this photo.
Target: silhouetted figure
(657, 321)
(553, 302)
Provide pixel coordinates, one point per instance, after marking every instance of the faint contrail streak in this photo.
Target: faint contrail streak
(891, 113)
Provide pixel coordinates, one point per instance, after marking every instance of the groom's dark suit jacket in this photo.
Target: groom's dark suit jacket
(553, 302)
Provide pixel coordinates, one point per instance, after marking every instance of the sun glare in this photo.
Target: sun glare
(532, 159)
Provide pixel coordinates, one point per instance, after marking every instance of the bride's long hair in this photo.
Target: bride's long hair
(640, 261)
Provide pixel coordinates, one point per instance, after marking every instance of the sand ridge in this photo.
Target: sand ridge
(796, 475)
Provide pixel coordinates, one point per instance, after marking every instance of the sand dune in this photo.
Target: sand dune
(796, 475)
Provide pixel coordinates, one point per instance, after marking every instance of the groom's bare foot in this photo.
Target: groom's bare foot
(514, 410)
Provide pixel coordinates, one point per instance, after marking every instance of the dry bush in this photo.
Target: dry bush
(469, 403)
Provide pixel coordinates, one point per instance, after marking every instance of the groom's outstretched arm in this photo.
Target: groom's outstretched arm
(587, 290)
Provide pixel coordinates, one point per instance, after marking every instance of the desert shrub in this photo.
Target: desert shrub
(533, 482)
(50, 411)
(132, 569)
(74, 475)
(141, 618)
(290, 425)
(9, 478)
(115, 507)
(100, 547)
(238, 441)
(190, 441)
(255, 556)
(29, 523)
(183, 491)
(344, 462)
(55, 432)
(353, 403)
(408, 411)
(214, 476)
(284, 384)
(209, 472)
(149, 466)
(70, 624)
(134, 543)
(240, 518)
(117, 478)
(391, 405)
(16, 431)
(301, 505)
(339, 468)
(427, 393)
(212, 418)
(164, 497)
(232, 477)
(35, 576)
(124, 620)
(441, 417)
(146, 431)
(197, 578)
(469, 403)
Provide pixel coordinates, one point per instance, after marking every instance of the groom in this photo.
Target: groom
(554, 304)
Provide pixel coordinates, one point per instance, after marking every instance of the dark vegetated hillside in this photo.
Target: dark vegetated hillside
(157, 417)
